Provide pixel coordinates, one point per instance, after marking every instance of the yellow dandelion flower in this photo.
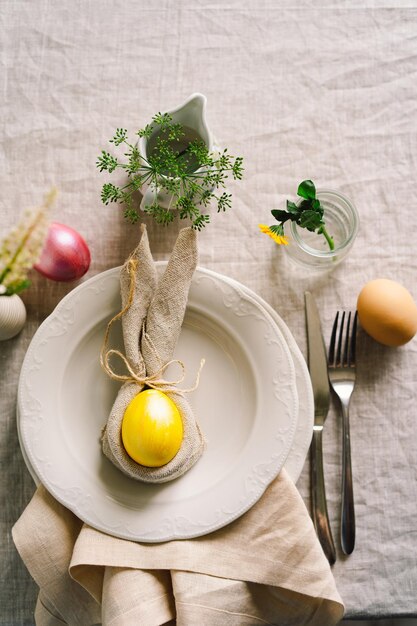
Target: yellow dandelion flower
(280, 239)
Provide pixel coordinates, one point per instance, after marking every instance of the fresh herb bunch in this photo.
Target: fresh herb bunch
(307, 214)
(192, 177)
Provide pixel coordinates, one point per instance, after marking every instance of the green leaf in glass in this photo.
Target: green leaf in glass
(292, 208)
(307, 190)
(280, 215)
(310, 219)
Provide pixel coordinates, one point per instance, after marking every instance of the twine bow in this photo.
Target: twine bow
(155, 380)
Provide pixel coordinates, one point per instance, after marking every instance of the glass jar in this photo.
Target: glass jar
(311, 249)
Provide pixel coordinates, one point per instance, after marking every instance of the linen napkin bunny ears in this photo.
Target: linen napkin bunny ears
(152, 315)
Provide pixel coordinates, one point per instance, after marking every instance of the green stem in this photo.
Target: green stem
(144, 180)
(322, 230)
(170, 202)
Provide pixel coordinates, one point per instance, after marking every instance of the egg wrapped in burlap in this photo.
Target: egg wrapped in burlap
(152, 315)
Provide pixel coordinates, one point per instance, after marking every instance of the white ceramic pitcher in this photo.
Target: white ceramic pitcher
(192, 113)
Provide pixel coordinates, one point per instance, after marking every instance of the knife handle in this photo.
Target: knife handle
(318, 497)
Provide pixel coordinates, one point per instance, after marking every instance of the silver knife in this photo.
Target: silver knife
(317, 364)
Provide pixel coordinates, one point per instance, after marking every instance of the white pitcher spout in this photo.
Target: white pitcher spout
(192, 113)
(196, 103)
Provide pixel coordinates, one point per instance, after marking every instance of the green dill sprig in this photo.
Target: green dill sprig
(193, 177)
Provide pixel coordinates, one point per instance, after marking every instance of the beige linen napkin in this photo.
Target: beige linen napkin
(267, 567)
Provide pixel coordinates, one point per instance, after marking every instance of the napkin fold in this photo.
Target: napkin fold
(152, 315)
(267, 567)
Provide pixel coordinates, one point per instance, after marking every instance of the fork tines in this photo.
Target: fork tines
(336, 359)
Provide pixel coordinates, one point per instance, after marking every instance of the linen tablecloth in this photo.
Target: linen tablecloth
(306, 89)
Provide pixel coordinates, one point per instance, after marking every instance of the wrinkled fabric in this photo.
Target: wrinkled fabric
(301, 89)
(265, 567)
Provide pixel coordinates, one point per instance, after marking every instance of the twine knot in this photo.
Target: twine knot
(155, 380)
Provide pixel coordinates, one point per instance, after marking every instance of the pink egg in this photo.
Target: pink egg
(65, 255)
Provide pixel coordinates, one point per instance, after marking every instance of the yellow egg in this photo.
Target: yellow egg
(152, 429)
(387, 312)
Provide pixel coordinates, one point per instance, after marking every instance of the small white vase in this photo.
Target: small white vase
(12, 316)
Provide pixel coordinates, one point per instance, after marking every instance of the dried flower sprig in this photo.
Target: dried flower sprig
(190, 176)
(307, 214)
(22, 246)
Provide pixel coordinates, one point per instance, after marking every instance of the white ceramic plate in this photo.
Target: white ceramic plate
(247, 405)
(304, 430)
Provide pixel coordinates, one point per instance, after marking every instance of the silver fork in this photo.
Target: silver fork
(342, 376)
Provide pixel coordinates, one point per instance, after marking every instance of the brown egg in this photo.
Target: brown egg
(387, 312)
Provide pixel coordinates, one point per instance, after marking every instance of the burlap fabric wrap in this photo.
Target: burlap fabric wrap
(151, 326)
